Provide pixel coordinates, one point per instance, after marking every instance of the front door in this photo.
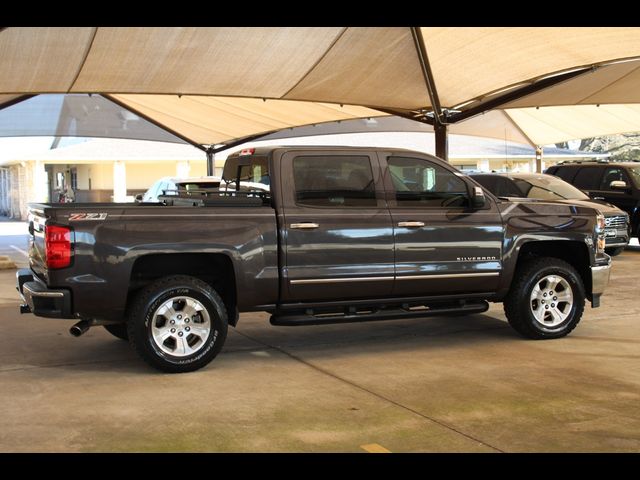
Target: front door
(338, 233)
(442, 245)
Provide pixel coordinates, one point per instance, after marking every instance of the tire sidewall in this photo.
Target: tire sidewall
(578, 299)
(213, 342)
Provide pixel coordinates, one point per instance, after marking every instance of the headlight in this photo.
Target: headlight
(600, 241)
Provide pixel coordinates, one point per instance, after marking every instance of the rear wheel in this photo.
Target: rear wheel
(546, 299)
(118, 330)
(177, 324)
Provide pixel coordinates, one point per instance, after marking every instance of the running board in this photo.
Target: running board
(352, 315)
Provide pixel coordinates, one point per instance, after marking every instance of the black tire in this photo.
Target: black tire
(613, 251)
(118, 330)
(143, 318)
(518, 305)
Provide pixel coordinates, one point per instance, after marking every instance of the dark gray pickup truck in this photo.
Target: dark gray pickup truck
(324, 235)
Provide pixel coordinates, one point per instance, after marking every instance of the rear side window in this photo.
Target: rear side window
(334, 181)
(566, 174)
(422, 183)
(588, 178)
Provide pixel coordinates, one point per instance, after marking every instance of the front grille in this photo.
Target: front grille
(616, 221)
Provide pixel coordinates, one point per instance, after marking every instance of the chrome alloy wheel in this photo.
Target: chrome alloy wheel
(180, 326)
(551, 300)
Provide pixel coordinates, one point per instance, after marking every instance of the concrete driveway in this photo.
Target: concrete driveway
(466, 384)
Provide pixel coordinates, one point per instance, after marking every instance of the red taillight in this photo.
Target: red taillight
(57, 246)
(247, 151)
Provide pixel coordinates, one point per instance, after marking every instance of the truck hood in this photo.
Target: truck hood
(606, 208)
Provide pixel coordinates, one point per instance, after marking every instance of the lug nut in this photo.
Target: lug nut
(180, 334)
(544, 294)
(553, 305)
(543, 302)
(186, 320)
(173, 330)
(188, 329)
(172, 322)
(547, 307)
(179, 317)
(555, 298)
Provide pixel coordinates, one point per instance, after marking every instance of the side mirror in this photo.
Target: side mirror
(478, 199)
(138, 198)
(618, 185)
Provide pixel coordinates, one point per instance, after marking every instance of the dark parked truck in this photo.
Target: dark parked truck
(329, 235)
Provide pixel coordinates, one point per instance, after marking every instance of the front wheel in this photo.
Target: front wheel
(546, 299)
(177, 324)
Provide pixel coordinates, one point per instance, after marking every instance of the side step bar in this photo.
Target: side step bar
(352, 315)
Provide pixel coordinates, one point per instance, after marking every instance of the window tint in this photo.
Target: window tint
(612, 174)
(334, 181)
(588, 178)
(422, 183)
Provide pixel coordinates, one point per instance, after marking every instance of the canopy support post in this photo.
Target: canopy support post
(539, 153)
(439, 116)
(210, 161)
(442, 141)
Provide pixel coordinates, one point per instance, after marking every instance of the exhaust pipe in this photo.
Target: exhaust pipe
(79, 328)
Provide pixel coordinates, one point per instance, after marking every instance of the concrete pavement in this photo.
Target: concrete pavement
(465, 384)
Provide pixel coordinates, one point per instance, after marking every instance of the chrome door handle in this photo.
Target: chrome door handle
(411, 224)
(305, 225)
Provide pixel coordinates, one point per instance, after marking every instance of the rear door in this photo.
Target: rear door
(442, 245)
(338, 233)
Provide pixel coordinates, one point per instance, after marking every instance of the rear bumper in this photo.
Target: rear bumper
(41, 300)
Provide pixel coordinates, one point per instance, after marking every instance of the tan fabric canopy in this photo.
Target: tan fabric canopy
(362, 71)
(548, 125)
(234, 117)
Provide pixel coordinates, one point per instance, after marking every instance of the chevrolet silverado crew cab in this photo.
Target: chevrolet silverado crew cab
(333, 235)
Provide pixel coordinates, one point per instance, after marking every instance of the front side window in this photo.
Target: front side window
(334, 181)
(613, 174)
(421, 183)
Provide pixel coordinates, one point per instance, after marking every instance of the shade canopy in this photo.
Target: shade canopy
(213, 85)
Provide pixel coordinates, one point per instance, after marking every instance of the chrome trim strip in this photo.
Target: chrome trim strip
(304, 225)
(42, 294)
(307, 281)
(448, 275)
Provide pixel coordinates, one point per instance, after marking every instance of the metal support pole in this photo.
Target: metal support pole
(539, 159)
(210, 162)
(442, 141)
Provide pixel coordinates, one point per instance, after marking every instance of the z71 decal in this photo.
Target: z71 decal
(87, 216)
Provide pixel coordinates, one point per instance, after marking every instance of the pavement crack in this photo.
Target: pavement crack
(371, 392)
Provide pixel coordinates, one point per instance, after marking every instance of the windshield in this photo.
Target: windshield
(548, 187)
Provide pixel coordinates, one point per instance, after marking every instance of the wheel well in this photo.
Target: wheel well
(574, 253)
(215, 269)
